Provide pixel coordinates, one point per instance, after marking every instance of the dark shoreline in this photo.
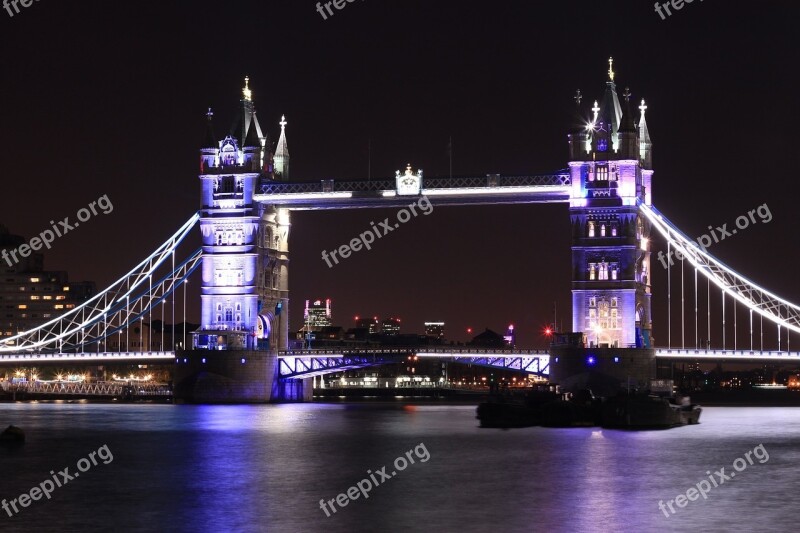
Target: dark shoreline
(739, 398)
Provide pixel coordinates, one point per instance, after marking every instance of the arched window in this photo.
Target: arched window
(591, 228)
(592, 272)
(229, 315)
(602, 230)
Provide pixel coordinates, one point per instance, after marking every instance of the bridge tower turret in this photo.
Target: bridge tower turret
(611, 173)
(273, 253)
(281, 157)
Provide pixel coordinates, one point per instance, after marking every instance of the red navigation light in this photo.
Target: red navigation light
(548, 331)
(469, 330)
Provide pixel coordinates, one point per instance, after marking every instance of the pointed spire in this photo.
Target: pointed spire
(247, 94)
(281, 157)
(252, 139)
(627, 124)
(644, 133)
(595, 110)
(610, 110)
(645, 144)
(210, 140)
(283, 147)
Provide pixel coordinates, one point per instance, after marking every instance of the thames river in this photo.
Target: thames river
(266, 468)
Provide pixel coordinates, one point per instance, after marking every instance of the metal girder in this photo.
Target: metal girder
(309, 363)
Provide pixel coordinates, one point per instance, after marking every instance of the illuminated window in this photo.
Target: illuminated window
(48, 297)
(70, 306)
(613, 229)
(602, 230)
(602, 271)
(591, 271)
(57, 297)
(591, 228)
(614, 272)
(34, 297)
(34, 280)
(66, 289)
(602, 172)
(23, 306)
(58, 306)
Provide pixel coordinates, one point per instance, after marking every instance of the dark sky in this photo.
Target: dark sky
(110, 98)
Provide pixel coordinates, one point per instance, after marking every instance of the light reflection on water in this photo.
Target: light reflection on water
(265, 468)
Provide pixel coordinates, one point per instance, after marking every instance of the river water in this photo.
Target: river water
(266, 468)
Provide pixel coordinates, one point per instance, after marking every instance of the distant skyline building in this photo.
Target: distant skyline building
(434, 329)
(390, 326)
(29, 295)
(368, 323)
(317, 315)
(510, 337)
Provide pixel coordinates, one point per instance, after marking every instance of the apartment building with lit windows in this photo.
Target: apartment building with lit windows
(29, 295)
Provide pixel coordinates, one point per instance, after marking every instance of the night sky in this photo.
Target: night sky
(110, 98)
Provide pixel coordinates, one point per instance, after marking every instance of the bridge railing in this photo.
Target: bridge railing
(86, 356)
(699, 352)
(410, 350)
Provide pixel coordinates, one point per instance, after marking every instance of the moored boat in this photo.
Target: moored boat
(12, 434)
(646, 411)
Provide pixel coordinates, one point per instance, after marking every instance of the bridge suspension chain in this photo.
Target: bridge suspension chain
(69, 329)
(756, 298)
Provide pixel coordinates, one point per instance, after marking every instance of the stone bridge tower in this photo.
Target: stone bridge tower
(611, 171)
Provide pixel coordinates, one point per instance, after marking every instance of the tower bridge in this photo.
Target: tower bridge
(240, 352)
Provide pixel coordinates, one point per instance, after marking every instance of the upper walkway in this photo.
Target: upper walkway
(490, 189)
